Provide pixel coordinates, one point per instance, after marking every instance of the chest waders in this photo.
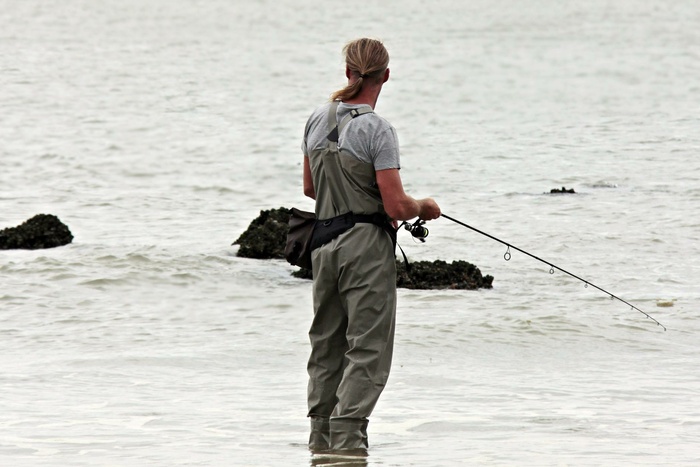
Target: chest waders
(354, 295)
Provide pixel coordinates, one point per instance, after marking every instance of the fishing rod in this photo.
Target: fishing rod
(417, 230)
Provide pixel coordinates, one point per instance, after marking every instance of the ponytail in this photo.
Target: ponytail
(365, 58)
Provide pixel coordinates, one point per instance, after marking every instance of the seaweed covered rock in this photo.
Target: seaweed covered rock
(41, 231)
(562, 190)
(265, 236)
(303, 273)
(432, 275)
(439, 274)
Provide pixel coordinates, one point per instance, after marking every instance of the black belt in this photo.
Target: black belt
(328, 229)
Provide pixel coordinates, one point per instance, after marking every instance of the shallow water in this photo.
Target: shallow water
(158, 131)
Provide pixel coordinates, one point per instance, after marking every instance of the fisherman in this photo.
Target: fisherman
(351, 169)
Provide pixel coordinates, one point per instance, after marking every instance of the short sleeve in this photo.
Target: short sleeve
(386, 150)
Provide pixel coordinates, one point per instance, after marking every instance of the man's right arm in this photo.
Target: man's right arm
(400, 206)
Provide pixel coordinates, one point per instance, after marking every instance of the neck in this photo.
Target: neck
(368, 95)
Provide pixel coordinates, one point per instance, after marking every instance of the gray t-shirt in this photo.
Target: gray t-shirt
(368, 137)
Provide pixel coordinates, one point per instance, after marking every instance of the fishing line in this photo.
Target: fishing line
(552, 267)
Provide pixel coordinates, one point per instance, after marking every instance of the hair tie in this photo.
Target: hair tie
(364, 75)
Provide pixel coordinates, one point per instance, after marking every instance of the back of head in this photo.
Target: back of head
(366, 59)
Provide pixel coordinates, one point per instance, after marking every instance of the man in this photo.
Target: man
(351, 165)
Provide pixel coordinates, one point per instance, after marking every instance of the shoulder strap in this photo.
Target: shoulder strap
(353, 113)
(332, 118)
(330, 164)
(333, 125)
(334, 129)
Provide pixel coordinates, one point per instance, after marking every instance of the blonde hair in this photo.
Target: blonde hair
(367, 58)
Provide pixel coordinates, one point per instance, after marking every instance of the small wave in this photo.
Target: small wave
(215, 189)
(186, 277)
(8, 298)
(63, 276)
(138, 258)
(601, 184)
(103, 282)
(442, 427)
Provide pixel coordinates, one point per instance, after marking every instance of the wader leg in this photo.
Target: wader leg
(320, 436)
(328, 343)
(369, 290)
(349, 436)
(367, 285)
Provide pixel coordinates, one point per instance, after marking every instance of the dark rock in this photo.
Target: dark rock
(563, 190)
(439, 274)
(432, 275)
(303, 273)
(41, 231)
(266, 236)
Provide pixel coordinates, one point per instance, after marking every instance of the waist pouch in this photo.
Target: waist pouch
(297, 247)
(328, 229)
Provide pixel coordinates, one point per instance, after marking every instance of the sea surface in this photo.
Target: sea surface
(158, 130)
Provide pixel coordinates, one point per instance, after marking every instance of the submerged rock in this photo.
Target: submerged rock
(303, 273)
(266, 236)
(562, 190)
(436, 274)
(41, 231)
(439, 274)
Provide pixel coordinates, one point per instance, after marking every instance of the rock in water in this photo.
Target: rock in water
(41, 231)
(563, 190)
(266, 235)
(439, 274)
(434, 275)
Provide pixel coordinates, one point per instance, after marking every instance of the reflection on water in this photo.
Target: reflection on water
(339, 459)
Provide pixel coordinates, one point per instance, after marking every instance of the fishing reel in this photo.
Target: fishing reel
(417, 229)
